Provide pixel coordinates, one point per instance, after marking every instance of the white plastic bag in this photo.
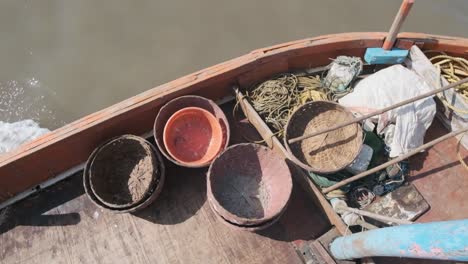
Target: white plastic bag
(388, 87)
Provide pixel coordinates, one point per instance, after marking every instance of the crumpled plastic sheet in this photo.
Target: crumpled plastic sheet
(388, 87)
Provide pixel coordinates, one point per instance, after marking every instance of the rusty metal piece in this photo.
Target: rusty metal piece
(404, 203)
(248, 184)
(148, 199)
(182, 102)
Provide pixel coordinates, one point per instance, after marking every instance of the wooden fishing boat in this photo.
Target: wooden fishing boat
(59, 224)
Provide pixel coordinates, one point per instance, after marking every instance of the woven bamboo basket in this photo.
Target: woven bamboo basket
(100, 191)
(329, 152)
(249, 185)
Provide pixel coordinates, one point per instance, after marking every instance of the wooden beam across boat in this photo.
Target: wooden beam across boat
(67, 147)
(298, 173)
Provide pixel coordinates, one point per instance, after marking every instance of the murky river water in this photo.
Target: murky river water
(61, 60)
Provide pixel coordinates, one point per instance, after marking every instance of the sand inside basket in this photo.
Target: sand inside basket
(245, 196)
(123, 172)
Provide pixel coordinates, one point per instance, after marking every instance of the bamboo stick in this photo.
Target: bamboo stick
(375, 216)
(366, 225)
(378, 112)
(298, 173)
(393, 161)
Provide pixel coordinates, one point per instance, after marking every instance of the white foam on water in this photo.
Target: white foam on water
(22, 106)
(12, 135)
(24, 99)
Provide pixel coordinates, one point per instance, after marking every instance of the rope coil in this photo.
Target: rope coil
(453, 69)
(276, 99)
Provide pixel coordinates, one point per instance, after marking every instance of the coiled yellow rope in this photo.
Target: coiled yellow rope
(277, 98)
(453, 69)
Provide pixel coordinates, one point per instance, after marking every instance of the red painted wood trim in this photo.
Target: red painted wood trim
(70, 145)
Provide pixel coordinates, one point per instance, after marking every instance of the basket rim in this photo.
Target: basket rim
(238, 220)
(154, 180)
(251, 228)
(135, 207)
(305, 166)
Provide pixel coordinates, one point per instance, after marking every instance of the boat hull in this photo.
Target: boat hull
(49, 156)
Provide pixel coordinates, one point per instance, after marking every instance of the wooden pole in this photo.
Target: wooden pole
(381, 218)
(397, 23)
(365, 224)
(378, 112)
(393, 161)
(299, 174)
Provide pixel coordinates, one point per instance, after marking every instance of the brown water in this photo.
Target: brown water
(61, 60)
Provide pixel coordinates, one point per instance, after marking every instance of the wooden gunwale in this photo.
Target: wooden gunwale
(69, 146)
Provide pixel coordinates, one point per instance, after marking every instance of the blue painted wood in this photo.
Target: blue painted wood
(438, 240)
(381, 56)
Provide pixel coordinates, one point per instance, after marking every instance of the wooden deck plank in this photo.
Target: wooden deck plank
(64, 226)
(442, 181)
(14, 245)
(440, 178)
(179, 228)
(103, 237)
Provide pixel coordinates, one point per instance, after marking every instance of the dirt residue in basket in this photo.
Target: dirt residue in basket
(140, 178)
(328, 152)
(245, 196)
(124, 172)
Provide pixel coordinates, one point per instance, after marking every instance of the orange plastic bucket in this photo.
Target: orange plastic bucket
(193, 136)
(182, 102)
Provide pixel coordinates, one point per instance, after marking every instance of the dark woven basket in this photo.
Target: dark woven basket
(329, 152)
(249, 184)
(182, 102)
(4, 214)
(100, 191)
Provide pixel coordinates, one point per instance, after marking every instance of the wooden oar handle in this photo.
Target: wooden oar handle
(399, 19)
